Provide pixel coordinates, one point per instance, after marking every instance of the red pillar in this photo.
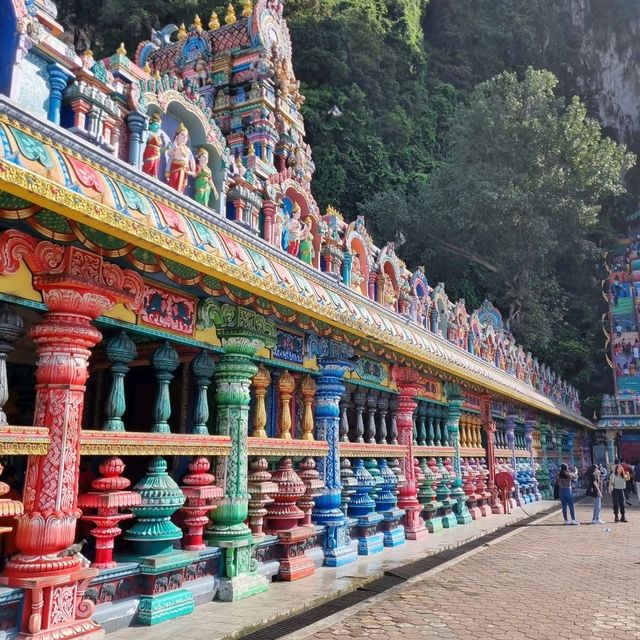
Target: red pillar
(406, 380)
(489, 427)
(77, 287)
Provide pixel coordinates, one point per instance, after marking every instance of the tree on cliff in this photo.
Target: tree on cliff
(513, 211)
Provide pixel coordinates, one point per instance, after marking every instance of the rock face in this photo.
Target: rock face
(592, 46)
(605, 69)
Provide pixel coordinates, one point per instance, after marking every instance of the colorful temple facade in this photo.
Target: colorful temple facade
(619, 422)
(206, 382)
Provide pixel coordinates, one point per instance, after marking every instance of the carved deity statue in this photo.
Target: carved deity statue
(389, 295)
(294, 228)
(153, 147)
(204, 186)
(278, 227)
(263, 66)
(180, 162)
(356, 273)
(307, 252)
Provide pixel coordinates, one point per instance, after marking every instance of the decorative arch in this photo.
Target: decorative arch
(488, 314)
(474, 343)
(192, 49)
(294, 193)
(440, 310)
(389, 273)
(359, 252)
(175, 108)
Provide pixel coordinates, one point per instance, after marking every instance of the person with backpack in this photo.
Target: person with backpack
(617, 485)
(594, 489)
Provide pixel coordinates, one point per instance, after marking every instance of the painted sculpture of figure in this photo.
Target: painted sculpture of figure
(389, 294)
(294, 228)
(153, 148)
(204, 184)
(356, 273)
(237, 169)
(278, 226)
(263, 66)
(180, 162)
(307, 252)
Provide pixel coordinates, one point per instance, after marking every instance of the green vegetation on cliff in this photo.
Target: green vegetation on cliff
(485, 207)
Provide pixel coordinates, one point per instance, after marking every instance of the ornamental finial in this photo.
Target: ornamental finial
(197, 23)
(121, 51)
(214, 23)
(182, 33)
(230, 18)
(247, 8)
(146, 68)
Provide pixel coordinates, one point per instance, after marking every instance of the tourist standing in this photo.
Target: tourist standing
(594, 489)
(617, 485)
(565, 477)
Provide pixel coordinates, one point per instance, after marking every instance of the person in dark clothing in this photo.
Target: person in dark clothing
(617, 485)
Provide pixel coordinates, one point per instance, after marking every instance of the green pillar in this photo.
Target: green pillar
(242, 333)
(120, 350)
(454, 403)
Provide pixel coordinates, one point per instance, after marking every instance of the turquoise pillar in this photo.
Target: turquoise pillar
(610, 438)
(202, 367)
(454, 402)
(120, 350)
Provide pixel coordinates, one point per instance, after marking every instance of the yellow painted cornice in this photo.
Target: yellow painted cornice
(438, 354)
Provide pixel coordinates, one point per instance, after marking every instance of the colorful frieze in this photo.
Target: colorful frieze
(168, 309)
(289, 346)
(431, 389)
(472, 401)
(372, 371)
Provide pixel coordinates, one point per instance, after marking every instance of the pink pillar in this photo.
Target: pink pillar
(269, 208)
(77, 287)
(489, 427)
(406, 379)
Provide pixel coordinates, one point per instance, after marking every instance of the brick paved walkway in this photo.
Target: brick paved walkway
(546, 581)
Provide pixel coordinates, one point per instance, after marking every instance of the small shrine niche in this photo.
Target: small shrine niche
(176, 151)
(420, 305)
(296, 230)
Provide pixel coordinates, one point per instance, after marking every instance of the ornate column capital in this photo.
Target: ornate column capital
(406, 379)
(72, 280)
(240, 330)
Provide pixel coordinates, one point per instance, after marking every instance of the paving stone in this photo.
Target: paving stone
(548, 582)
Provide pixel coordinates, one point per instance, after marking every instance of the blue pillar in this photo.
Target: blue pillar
(137, 123)
(59, 78)
(327, 510)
